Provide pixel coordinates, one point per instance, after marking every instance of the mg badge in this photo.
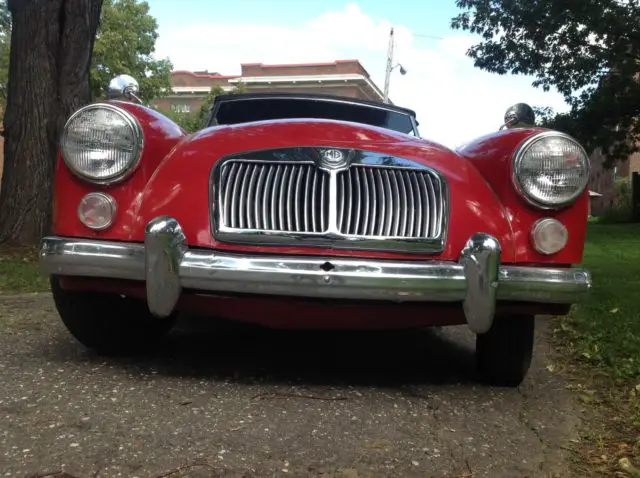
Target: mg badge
(333, 158)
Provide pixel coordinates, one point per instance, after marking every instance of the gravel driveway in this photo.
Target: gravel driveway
(241, 401)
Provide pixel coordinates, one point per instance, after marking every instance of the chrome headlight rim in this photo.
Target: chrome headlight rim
(138, 133)
(517, 159)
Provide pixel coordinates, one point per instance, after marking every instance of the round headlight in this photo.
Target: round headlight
(551, 169)
(102, 143)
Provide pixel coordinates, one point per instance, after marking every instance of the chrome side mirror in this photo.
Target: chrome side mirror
(519, 115)
(124, 87)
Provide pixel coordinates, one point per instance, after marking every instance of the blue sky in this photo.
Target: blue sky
(455, 101)
(428, 17)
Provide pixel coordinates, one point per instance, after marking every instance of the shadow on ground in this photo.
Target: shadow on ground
(216, 349)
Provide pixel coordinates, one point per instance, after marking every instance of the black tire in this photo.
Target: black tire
(503, 354)
(109, 323)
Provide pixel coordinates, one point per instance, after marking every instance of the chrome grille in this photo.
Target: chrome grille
(268, 196)
(389, 202)
(295, 197)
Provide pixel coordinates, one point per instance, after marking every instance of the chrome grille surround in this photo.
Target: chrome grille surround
(312, 206)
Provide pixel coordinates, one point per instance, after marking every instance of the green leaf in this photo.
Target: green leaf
(125, 44)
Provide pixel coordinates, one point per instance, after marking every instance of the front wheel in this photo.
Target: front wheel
(109, 323)
(503, 354)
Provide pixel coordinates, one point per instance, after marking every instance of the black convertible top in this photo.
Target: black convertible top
(247, 107)
(310, 96)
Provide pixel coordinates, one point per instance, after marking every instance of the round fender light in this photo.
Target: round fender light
(549, 236)
(97, 211)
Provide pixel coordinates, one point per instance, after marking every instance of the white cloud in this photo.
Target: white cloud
(454, 101)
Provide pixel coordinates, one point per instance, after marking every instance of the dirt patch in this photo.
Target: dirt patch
(241, 401)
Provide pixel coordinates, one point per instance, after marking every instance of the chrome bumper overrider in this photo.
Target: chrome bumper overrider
(167, 265)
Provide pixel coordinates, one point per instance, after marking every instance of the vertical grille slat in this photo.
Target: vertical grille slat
(432, 200)
(226, 189)
(244, 196)
(308, 201)
(251, 199)
(341, 217)
(424, 190)
(277, 181)
(365, 209)
(265, 198)
(388, 219)
(323, 199)
(348, 206)
(398, 207)
(314, 194)
(357, 204)
(372, 201)
(236, 195)
(257, 214)
(282, 225)
(406, 205)
(382, 201)
(287, 202)
(414, 198)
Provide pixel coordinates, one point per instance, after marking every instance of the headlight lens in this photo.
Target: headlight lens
(551, 169)
(102, 143)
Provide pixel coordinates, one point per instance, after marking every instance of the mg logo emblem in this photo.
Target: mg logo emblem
(333, 155)
(333, 158)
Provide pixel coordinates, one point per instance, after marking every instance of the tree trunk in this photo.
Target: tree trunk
(51, 46)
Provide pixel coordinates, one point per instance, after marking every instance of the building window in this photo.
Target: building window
(180, 108)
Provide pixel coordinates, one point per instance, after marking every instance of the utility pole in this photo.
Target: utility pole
(387, 76)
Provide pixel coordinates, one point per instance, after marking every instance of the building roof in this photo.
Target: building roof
(307, 65)
(199, 74)
(258, 76)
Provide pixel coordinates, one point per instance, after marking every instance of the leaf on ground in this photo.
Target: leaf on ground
(586, 398)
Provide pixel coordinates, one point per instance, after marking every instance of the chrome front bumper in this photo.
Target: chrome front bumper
(167, 265)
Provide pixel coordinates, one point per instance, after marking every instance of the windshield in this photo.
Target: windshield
(243, 111)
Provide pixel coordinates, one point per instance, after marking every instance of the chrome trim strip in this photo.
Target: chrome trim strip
(91, 258)
(332, 238)
(168, 266)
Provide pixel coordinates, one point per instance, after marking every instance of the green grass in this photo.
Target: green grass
(19, 271)
(604, 334)
(606, 328)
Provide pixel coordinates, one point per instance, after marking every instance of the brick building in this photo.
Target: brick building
(603, 180)
(341, 78)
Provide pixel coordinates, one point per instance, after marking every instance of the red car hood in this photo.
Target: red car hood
(291, 133)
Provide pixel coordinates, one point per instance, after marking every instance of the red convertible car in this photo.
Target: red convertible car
(309, 211)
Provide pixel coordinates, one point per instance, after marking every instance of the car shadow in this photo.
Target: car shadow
(244, 353)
